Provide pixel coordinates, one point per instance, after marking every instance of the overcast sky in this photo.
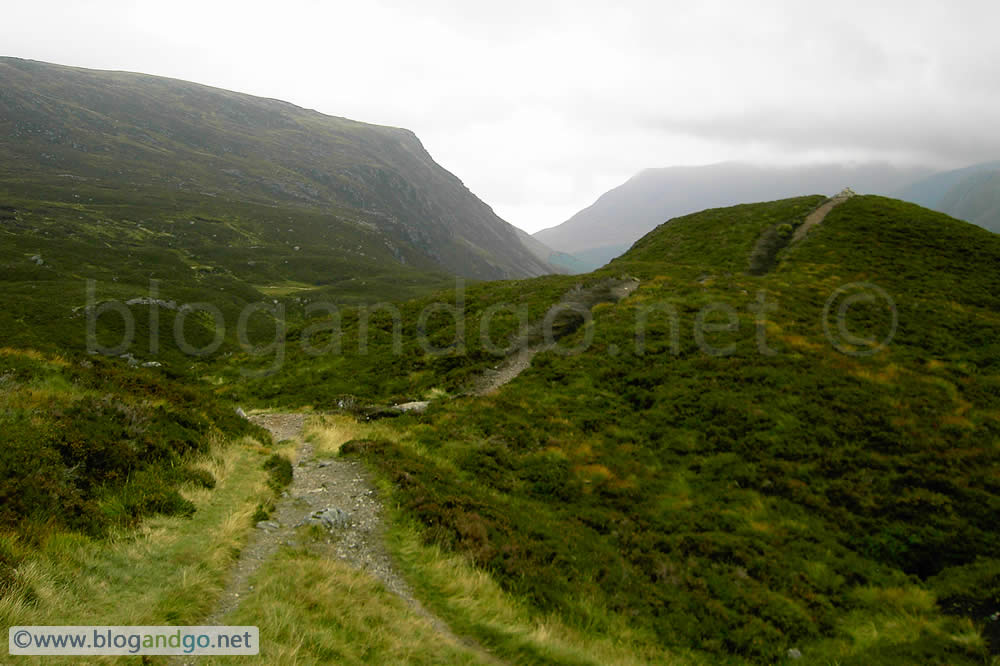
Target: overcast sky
(542, 106)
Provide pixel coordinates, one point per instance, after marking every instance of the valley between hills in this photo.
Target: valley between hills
(266, 367)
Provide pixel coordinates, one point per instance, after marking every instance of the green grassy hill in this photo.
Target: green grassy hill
(189, 250)
(766, 486)
(622, 215)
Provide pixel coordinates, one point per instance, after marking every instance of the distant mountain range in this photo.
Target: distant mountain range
(143, 134)
(621, 216)
(971, 194)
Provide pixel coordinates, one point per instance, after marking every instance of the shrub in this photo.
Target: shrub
(279, 469)
(96, 444)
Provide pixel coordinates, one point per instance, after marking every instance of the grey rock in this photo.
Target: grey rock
(416, 406)
(240, 413)
(152, 364)
(330, 518)
(794, 653)
(268, 525)
(145, 300)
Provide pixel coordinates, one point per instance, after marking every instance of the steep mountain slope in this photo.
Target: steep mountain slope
(129, 133)
(971, 194)
(624, 214)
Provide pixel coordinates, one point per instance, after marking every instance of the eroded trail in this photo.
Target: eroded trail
(818, 215)
(343, 490)
(520, 358)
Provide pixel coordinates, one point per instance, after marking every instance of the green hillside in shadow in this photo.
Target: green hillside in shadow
(328, 185)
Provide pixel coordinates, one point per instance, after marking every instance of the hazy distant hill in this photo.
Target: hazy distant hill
(560, 262)
(971, 194)
(623, 215)
(142, 134)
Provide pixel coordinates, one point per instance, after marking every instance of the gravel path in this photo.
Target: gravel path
(356, 539)
(519, 361)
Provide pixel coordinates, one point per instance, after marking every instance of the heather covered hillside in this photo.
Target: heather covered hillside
(750, 475)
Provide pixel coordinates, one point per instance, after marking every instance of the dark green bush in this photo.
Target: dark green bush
(108, 445)
(279, 470)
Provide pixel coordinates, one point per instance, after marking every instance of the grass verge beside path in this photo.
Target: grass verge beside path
(469, 600)
(474, 605)
(169, 571)
(315, 610)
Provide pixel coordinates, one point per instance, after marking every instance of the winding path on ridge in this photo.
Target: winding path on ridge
(318, 484)
(818, 215)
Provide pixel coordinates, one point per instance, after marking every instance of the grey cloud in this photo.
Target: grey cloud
(932, 135)
(541, 105)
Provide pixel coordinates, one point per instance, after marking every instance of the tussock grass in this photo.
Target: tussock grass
(327, 433)
(898, 624)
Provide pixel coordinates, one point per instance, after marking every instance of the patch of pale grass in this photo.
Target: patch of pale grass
(908, 599)
(436, 394)
(969, 637)
(894, 616)
(328, 432)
